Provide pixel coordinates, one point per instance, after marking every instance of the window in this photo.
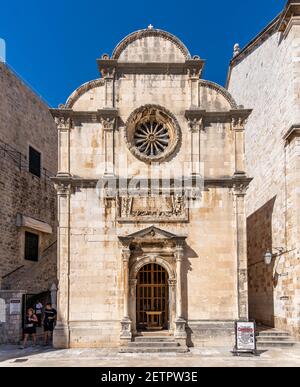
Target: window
(31, 247)
(34, 162)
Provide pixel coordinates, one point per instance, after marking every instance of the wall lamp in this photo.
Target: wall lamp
(269, 255)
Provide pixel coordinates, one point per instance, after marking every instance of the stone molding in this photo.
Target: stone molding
(291, 10)
(291, 133)
(226, 182)
(65, 118)
(146, 259)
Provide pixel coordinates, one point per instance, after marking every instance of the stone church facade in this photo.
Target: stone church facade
(151, 195)
(265, 75)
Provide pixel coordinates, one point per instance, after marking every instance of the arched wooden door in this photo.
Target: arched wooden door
(152, 298)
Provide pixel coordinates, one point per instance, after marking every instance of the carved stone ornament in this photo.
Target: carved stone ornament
(238, 123)
(152, 133)
(240, 189)
(63, 123)
(63, 189)
(108, 123)
(126, 329)
(152, 209)
(195, 124)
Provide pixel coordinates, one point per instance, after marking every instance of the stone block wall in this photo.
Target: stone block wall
(266, 79)
(25, 120)
(10, 323)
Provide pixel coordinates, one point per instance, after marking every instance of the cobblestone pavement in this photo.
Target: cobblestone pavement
(12, 356)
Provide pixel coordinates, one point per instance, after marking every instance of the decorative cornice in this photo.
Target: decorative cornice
(226, 182)
(81, 90)
(151, 234)
(238, 117)
(294, 131)
(108, 67)
(63, 115)
(291, 10)
(146, 33)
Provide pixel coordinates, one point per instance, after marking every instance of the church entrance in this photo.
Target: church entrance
(152, 298)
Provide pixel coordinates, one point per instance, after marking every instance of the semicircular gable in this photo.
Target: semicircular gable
(82, 90)
(220, 93)
(146, 46)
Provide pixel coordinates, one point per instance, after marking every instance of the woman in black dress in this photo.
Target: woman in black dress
(30, 327)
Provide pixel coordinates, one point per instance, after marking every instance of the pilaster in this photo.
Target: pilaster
(61, 337)
(64, 125)
(239, 191)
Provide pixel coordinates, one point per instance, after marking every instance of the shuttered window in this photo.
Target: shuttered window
(31, 247)
(34, 162)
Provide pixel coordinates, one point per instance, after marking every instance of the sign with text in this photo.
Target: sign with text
(245, 336)
(15, 307)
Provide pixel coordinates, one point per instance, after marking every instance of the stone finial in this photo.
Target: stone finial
(150, 27)
(236, 50)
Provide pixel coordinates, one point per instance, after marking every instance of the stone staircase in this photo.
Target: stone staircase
(271, 337)
(154, 342)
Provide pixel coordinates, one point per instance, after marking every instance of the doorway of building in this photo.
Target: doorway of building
(152, 308)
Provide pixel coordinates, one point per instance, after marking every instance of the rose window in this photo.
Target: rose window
(152, 134)
(152, 138)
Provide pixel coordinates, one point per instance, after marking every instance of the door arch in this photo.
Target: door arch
(152, 298)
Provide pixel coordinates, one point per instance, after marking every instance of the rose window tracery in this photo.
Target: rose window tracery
(152, 138)
(152, 133)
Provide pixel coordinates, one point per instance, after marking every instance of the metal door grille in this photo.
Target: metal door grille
(152, 296)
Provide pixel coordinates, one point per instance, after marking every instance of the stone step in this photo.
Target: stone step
(144, 339)
(280, 344)
(272, 333)
(141, 349)
(155, 344)
(273, 338)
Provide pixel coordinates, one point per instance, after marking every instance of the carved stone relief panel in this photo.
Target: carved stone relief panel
(152, 209)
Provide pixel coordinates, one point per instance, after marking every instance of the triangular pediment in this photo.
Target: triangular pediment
(151, 234)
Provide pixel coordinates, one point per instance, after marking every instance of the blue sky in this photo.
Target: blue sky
(53, 45)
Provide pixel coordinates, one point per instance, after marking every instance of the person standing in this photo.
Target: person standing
(49, 322)
(38, 311)
(30, 327)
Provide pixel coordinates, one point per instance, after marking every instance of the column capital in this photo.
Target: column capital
(196, 124)
(108, 123)
(63, 189)
(63, 123)
(126, 253)
(107, 67)
(172, 283)
(133, 282)
(179, 253)
(240, 189)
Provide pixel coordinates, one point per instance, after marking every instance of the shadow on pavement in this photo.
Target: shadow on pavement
(21, 355)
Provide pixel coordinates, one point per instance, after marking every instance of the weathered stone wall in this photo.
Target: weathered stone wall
(212, 274)
(10, 323)
(25, 120)
(267, 80)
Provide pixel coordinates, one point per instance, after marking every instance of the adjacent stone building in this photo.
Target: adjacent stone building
(265, 75)
(28, 159)
(151, 192)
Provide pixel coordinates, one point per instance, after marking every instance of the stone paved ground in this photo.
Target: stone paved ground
(11, 356)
